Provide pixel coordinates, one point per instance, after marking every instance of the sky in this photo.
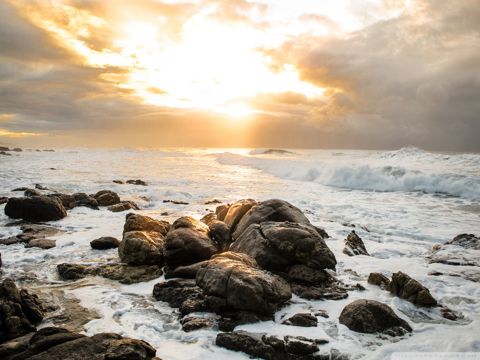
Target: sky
(370, 74)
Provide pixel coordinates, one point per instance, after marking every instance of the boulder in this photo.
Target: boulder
(68, 201)
(278, 245)
(463, 249)
(82, 199)
(188, 242)
(20, 311)
(234, 282)
(123, 273)
(236, 211)
(379, 280)
(221, 211)
(123, 206)
(219, 231)
(270, 347)
(354, 245)
(142, 248)
(37, 208)
(370, 316)
(467, 241)
(104, 243)
(273, 210)
(136, 222)
(106, 198)
(302, 319)
(411, 290)
(52, 343)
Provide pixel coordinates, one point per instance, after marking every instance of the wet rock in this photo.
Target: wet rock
(176, 202)
(184, 272)
(82, 199)
(370, 316)
(123, 206)
(20, 311)
(118, 181)
(123, 273)
(22, 188)
(229, 320)
(354, 245)
(219, 232)
(268, 347)
(273, 210)
(3, 199)
(41, 243)
(221, 211)
(236, 211)
(37, 208)
(234, 282)
(379, 280)
(302, 319)
(58, 343)
(195, 323)
(136, 182)
(213, 201)
(142, 248)
(179, 292)
(411, 290)
(5, 153)
(188, 242)
(463, 249)
(136, 222)
(32, 192)
(104, 243)
(278, 245)
(40, 187)
(106, 198)
(68, 201)
(333, 290)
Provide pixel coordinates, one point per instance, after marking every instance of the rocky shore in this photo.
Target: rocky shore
(238, 265)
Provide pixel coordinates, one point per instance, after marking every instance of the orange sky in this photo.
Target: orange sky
(284, 73)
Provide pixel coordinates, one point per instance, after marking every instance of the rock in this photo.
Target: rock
(333, 290)
(118, 181)
(188, 242)
(17, 149)
(22, 188)
(379, 280)
(41, 243)
(213, 201)
(302, 319)
(180, 294)
(104, 243)
(454, 252)
(233, 282)
(354, 245)
(229, 320)
(219, 232)
(68, 201)
(136, 182)
(20, 311)
(32, 192)
(82, 199)
(176, 202)
(195, 323)
(142, 248)
(5, 153)
(411, 290)
(236, 211)
(370, 316)
(37, 208)
(268, 347)
(123, 273)
(106, 198)
(40, 187)
(123, 206)
(136, 222)
(278, 245)
(57, 343)
(271, 210)
(3, 199)
(221, 212)
(185, 272)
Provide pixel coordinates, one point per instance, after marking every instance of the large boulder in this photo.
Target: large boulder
(234, 282)
(20, 311)
(354, 245)
(53, 343)
(136, 222)
(142, 248)
(236, 211)
(37, 208)
(370, 316)
(411, 290)
(278, 245)
(188, 242)
(106, 198)
(273, 210)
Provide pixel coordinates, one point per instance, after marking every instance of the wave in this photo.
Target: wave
(368, 177)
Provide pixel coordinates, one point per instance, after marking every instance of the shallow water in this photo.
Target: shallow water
(401, 203)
